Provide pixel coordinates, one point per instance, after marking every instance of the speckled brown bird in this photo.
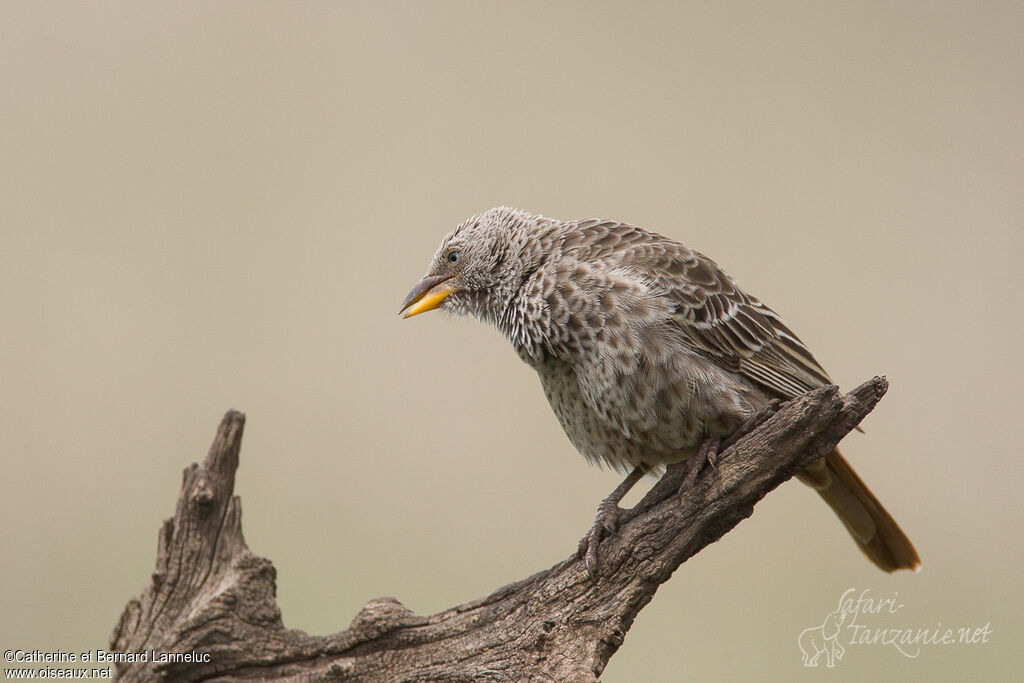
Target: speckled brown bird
(648, 352)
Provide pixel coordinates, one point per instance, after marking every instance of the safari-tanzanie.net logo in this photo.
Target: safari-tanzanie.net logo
(861, 619)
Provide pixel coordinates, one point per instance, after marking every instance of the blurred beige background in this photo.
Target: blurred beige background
(207, 206)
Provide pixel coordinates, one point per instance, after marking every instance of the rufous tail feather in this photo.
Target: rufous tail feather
(874, 529)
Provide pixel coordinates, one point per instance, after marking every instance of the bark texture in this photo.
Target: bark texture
(212, 601)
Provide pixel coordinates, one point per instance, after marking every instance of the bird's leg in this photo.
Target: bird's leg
(707, 453)
(711, 447)
(607, 520)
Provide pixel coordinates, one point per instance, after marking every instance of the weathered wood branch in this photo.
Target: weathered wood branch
(211, 600)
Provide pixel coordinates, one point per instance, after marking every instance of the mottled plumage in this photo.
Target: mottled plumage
(646, 349)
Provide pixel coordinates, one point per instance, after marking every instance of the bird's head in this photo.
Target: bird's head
(479, 266)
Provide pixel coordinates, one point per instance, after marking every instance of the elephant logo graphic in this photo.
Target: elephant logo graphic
(823, 640)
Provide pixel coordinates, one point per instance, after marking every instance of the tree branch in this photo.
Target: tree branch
(211, 601)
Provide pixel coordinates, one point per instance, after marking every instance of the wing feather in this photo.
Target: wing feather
(712, 313)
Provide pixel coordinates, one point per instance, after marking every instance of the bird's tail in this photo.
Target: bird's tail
(874, 530)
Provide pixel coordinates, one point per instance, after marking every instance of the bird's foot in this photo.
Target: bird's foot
(707, 454)
(606, 523)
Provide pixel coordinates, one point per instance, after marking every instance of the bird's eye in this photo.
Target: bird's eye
(453, 256)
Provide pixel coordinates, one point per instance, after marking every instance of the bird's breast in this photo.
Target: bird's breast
(652, 416)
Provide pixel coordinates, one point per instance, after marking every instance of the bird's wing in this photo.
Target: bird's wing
(712, 314)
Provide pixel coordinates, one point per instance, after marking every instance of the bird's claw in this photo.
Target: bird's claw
(707, 454)
(606, 523)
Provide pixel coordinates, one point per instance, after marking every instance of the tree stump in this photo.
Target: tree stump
(209, 610)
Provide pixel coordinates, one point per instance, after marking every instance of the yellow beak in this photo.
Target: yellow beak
(426, 295)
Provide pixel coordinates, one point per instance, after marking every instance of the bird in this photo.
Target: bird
(649, 353)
